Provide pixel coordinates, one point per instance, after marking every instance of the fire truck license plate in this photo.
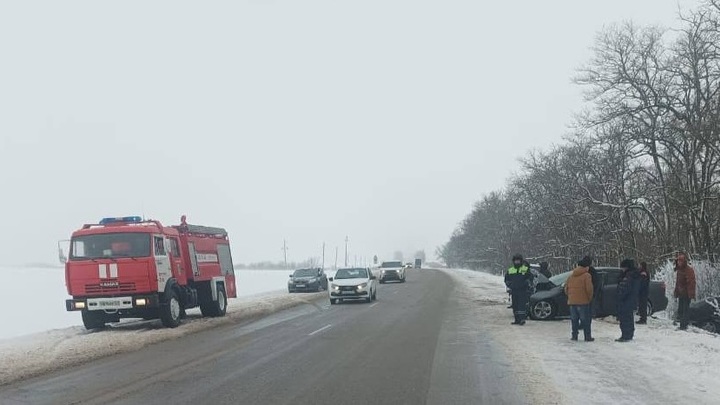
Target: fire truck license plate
(109, 303)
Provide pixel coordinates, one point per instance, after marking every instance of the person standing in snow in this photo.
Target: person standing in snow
(684, 288)
(627, 295)
(597, 290)
(544, 269)
(579, 290)
(517, 279)
(643, 293)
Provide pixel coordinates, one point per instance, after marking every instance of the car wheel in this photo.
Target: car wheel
(333, 301)
(650, 310)
(543, 310)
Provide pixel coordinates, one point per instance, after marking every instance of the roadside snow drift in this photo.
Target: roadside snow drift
(661, 366)
(56, 349)
(41, 305)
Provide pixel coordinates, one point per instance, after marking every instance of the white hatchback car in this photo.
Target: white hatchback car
(353, 283)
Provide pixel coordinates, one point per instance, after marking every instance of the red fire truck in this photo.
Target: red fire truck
(128, 267)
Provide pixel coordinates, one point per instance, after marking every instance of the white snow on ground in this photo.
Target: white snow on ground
(662, 365)
(39, 304)
(56, 349)
(38, 335)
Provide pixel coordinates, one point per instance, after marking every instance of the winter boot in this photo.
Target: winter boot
(642, 321)
(590, 339)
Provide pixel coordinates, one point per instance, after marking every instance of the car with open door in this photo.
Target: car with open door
(552, 303)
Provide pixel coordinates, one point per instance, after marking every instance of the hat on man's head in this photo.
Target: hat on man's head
(628, 264)
(585, 261)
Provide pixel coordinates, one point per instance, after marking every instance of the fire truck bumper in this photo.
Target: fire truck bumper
(129, 303)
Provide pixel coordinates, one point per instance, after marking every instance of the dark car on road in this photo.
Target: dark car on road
(307, 280)
(552, 302)
(705, 314)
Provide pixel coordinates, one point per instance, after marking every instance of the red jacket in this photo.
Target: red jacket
(685, 283)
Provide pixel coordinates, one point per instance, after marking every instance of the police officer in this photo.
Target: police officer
(518, 279)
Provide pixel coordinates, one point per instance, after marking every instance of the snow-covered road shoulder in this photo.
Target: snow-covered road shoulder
(661, 366)
(39, 353)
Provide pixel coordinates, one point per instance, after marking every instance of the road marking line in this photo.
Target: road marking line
(320, 330)
(373, 305)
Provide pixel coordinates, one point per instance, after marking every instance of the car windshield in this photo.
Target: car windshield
(110, 245)
(351, 273)
(561, 278)
(305, 273)
(386, 265)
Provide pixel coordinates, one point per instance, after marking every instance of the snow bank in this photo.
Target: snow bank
(40, 305)
(662, 365)
(56, 349)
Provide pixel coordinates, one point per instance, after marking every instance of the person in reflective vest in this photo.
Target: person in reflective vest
(518, 280)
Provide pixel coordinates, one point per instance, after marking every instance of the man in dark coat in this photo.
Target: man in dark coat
(544, 269)
(643, 293)
(627, 299)
(518, 280)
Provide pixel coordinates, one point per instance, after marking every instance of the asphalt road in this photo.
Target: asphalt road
(417, 344)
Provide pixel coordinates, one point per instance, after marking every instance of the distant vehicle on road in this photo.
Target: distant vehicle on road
(408, 265)
(392, 271)
(418, 263)
(553, 302)
(353, 283)
(307, 280)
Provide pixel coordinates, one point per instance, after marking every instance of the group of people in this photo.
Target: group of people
(583, 288)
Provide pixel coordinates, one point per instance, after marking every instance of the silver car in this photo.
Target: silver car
(353, 283)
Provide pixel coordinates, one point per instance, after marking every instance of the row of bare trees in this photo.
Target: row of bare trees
(640, 175)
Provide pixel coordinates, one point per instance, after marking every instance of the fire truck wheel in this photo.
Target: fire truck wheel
(215, 308)
(93, 319)
(170, 310)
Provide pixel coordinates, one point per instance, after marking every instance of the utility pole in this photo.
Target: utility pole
(347, 239)
(336, 256)
(323, 260)
(285, 249)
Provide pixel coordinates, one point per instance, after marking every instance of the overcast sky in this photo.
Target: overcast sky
(306, 120)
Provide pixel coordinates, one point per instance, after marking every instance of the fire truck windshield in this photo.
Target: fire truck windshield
(110, 245)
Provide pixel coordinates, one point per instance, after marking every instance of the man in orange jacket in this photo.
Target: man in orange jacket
(579, 290)
(684, 288)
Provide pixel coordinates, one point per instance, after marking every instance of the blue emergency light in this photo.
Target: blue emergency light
(106, 221)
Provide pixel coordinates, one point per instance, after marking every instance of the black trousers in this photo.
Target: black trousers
(643, 306)
(520, 303)
(683, 309)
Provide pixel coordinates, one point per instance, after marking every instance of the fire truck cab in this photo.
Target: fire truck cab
(128, 267)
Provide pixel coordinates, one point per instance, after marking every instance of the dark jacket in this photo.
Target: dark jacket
(644, 282)
(544, 270)
(595, 278)
(519, 279)
(627, 291)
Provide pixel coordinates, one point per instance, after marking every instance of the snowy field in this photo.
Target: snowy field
(40, 304)
(661, 366)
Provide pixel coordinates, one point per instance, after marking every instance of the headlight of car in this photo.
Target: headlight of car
(362, 286)
(335, 287)
(290, 281)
